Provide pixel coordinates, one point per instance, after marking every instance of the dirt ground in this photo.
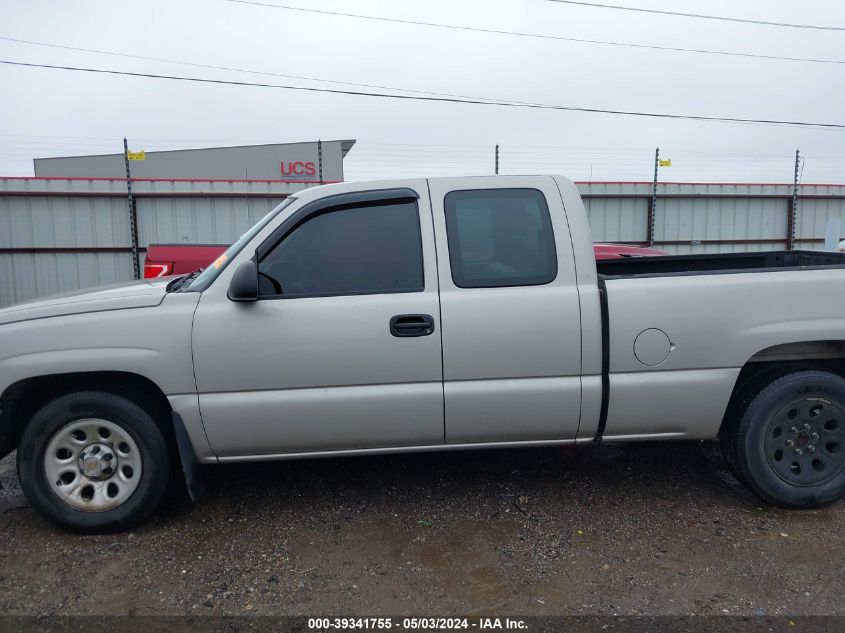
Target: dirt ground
(638, 529)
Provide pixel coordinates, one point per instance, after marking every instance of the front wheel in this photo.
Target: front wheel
(93, 462)
(787, 436)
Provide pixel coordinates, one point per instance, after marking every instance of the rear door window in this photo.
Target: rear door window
(500, 237)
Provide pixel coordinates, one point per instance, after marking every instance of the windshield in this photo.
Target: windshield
(204, 279)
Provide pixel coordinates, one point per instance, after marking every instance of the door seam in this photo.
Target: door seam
(439, 304)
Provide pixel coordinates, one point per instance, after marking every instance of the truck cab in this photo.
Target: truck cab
(379, 323)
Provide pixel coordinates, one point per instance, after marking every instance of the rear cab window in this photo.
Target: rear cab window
(499, 238)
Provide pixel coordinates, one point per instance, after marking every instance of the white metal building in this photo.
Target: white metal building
(312, 162)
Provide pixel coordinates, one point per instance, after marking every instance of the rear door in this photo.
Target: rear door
(342, 348)
(511, 322)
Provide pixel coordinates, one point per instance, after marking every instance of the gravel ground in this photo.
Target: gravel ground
(638, 529)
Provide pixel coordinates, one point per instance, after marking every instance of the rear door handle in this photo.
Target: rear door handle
(404, 325)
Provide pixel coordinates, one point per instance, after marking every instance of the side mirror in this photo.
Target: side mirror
(244, 283)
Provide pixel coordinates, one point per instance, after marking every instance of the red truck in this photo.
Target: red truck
(177, 259)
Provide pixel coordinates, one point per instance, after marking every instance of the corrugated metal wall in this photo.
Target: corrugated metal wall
(712, 218)
(58, 235)
(62, 234)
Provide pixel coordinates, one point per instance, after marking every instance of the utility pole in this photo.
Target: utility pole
(133, 213)
(320, 159)
(497, 158)
(793, 206)
(653, 205)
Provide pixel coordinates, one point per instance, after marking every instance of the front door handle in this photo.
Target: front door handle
(404, 325)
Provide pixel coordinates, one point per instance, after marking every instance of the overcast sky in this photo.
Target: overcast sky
(55, 113)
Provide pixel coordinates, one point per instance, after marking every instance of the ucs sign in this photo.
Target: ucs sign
(298, 169)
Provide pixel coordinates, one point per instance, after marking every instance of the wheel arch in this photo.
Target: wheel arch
(766, 364)
(22, 399)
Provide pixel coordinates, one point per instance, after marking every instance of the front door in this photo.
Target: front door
(342, 350)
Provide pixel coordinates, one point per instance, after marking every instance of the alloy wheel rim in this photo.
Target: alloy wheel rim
(804, 441)
(92, 464)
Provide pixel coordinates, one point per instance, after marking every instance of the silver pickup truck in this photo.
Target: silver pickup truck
(418, 315)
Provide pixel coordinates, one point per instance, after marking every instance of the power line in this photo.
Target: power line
(700, 16)
(405, 97)
(562, 38)
(228, 68)
(450, 97)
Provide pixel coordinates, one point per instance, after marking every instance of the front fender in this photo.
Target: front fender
(153, 342)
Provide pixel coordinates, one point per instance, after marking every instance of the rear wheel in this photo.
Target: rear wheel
(93, 462)
(786, 439)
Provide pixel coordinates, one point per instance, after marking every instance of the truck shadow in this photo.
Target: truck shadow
(648, 473)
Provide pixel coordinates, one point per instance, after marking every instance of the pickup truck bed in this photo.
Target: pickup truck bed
(721, 263)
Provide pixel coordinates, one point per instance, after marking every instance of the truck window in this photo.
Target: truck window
(366, 249)
(500, 237)
(210, 273)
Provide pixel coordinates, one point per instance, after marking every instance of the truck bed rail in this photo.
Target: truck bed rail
(719, 263)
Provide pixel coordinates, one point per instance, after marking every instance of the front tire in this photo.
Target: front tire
(93, 462)
(786, 439)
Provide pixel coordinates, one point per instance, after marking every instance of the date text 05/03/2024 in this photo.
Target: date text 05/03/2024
(410, 623)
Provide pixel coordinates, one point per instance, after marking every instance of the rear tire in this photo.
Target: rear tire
(737, 407)
(785, 438)
(93, 462)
